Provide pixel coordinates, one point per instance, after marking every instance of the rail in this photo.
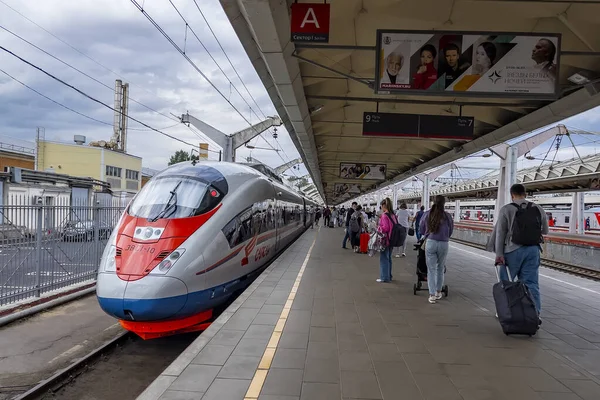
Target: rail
(553, 264)
(67, 374)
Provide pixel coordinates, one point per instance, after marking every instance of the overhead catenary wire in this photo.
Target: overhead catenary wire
(189, 27)
(201, 136)
(191, 62)
(54, 101)
(92, 98)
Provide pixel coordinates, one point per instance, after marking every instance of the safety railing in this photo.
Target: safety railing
(45, 247)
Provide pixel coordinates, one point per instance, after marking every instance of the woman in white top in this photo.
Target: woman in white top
(403, 217)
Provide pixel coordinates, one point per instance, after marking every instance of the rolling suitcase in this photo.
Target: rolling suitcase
(515, 307)
(331, 224)
(364, 242)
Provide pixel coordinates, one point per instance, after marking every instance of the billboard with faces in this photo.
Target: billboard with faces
(363, 171)
(471, 63)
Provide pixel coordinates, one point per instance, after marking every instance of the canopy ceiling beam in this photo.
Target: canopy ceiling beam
(335, 71)
(533, 105)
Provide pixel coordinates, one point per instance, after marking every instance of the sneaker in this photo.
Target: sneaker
(403, 255)
(397, 256)
(439, 295)
(432, 299)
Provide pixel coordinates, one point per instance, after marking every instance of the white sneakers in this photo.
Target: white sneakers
(435, 297)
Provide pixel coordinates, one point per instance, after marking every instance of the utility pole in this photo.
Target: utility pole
(230, 143)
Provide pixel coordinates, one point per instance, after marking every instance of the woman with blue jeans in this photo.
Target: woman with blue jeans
(437, 227)
(386, 223)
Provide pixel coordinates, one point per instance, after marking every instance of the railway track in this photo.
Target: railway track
(556, 265)
(67, 374)
(100, 373)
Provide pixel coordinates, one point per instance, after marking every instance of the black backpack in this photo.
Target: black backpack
(396, 235)
(527, 226)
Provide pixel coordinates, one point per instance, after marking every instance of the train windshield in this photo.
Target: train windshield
(174, 197)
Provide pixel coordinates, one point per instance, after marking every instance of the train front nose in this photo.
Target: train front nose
(151, 298)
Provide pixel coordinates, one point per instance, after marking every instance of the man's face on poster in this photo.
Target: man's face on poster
(394, 64)
(452, 58)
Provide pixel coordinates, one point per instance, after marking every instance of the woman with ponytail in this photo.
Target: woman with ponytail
(386, 224)
(437, 227)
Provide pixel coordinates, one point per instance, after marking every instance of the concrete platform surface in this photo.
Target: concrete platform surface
(318, 326)
(34, 348)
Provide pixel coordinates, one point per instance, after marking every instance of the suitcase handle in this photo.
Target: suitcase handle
(497, 268)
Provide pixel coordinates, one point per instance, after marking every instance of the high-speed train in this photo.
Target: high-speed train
(196, 233)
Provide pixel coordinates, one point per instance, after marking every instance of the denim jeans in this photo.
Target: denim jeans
(385, 264)
(435, 254)
(524, 264)
(346, 237)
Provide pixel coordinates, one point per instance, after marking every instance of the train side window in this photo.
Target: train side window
(567, 219)
(231, 232)
(239, 229)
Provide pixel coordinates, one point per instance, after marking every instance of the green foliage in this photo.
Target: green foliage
(180, 156)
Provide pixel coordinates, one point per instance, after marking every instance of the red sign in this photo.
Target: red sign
(310, 22)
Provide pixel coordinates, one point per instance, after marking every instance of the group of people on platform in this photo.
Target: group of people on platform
(435, 227)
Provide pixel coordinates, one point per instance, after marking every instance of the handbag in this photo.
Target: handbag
(411, 231)
(424, 244)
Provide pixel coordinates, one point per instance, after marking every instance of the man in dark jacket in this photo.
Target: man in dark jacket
(348, 216)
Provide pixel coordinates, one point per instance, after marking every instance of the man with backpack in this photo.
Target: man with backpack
(348, 216)
(516, 240)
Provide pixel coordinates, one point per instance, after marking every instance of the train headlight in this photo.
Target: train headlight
(165, 265)
(109, 263)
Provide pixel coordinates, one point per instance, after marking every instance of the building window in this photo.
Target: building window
(133, 175)
(113, 171)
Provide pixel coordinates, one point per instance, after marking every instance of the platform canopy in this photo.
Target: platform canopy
(322, 90)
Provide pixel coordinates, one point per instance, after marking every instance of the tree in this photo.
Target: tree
(180, 156)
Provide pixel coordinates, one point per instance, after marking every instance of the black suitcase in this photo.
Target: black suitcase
(515, 307)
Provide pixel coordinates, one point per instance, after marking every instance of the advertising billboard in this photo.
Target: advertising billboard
(472, 63)
(340, 189)
(363, 171)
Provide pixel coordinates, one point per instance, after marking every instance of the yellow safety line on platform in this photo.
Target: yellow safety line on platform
(267, 359)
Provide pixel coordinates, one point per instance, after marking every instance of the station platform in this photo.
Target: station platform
(316, 325)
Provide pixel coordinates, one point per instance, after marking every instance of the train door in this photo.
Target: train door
(304, 213)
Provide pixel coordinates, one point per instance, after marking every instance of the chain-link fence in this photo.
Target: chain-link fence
(51, 245)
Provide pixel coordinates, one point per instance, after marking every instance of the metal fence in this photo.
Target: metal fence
(45, 247)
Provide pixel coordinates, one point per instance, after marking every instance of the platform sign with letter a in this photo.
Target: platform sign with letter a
(310, 22)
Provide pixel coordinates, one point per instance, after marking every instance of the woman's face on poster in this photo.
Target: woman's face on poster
(481, 57)
(426, 57)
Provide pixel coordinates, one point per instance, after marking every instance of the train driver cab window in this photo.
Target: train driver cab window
(174, 197)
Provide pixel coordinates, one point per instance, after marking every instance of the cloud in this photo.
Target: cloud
(116, 34)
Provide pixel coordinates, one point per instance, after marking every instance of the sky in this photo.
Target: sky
(115, 34)
(118, 42)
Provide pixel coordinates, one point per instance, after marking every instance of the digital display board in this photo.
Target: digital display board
(418, 126)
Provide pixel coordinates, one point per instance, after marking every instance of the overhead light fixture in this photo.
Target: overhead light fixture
(579, 78)
(316, 109)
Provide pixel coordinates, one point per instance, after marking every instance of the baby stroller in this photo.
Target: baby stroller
(422, 270)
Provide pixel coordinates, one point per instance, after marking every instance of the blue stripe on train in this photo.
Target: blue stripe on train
(173, 307)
